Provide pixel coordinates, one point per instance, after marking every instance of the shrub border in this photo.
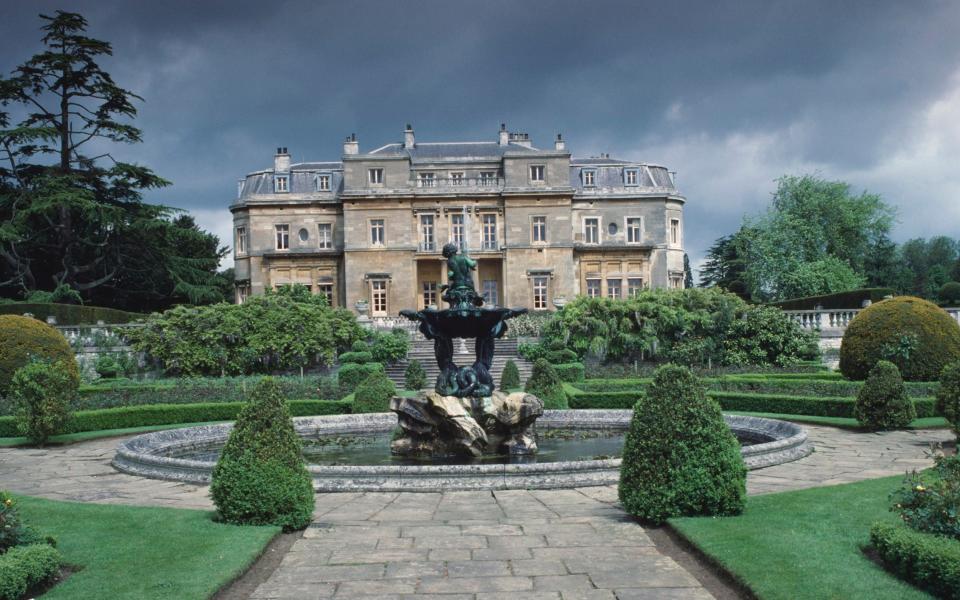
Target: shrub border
(929, 561)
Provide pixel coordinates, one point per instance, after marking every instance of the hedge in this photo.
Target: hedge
(931, 562)
(817, 406)
(806, 387)
(613, 385)
(24, 567)
(849, 299)
(571, 372)
(609, 400)
(169, 414)
(70, 314)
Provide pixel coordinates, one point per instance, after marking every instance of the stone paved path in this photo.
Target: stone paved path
(557, 544)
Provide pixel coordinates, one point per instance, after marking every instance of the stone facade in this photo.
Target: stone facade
(541, 225)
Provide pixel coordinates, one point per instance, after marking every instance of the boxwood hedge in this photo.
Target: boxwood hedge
(931, 562)
(23, 567)
(572, 371)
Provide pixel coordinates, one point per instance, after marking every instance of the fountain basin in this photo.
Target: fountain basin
(154, 455)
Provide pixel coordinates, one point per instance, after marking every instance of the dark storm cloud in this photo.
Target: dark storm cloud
(730, 96)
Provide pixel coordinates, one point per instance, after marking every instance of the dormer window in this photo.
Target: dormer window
(240, 188)
(630, 177)
(425, 179)
(589, 177)
(375, 176)
(281, 183)
(456, 178)
(536, 173)
(323, 182)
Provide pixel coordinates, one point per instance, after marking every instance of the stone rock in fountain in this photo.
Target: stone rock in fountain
(434, 425)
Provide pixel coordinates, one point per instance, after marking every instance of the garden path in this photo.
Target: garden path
(557, 544)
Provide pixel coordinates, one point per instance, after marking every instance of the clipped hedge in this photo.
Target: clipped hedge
(23, 567)
(848, 299)
(806, 387)
(171, 414)
(352, 375)
(359, 358)
(374, 394)
(571, 372)
(931, 562)
(613, 385)
(608, 400)
(70, 314)
(816, 406)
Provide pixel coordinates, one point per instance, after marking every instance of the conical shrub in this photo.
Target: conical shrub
(260, 478)
(544, 383)
(414, 377)
(680, 457)
(510, 378)
(882, 402)
(374, 394)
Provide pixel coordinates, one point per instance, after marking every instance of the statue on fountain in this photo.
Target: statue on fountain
(463, 414)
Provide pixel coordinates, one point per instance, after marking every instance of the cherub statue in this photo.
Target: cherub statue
(459, 290)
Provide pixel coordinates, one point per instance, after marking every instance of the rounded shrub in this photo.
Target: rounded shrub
(510, 377)
(42, 393)
(24, 567)
(949, 293)
(390, 347)
(414, 377)
(260, 478)
(562, 356)
(107, 367)
(351, 375)
(914, 334)
(948, 395)
(544, 383)
(373, 395)
(359, 358)
(680, 458)
(23, 339)
(882, 402)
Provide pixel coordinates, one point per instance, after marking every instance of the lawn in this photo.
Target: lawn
(842, 422)
(143, 553)
(71, 438)
(804, 544)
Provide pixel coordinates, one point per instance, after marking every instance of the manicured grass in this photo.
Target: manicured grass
(843, 422)
(804, 544)
(71, 438)
(144, 553)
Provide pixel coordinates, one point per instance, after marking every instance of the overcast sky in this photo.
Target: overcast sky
(728, 96)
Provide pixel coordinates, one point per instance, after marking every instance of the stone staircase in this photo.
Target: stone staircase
(422, 350)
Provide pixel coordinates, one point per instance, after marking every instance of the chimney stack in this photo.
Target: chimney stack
(351, 145)
(559, 144)
(408, 140)
(281, 162)
(504, 135)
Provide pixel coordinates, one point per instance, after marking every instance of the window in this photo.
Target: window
(241, 247)
(326, 290)
(612, 229)
(281, 183)
(425, 179)
(630, 177)
(427, 242)
(539, 229)
(283, 237)
(536, 173)
(304, 235)
(429, 293)
(593, 288)
(489, 232)
(323, 183)
(634, 286)
(456, 230)
(675, 232)
(634, 230)
(589, 177)
(676, 282)
(490, 295)
(488, 178)
(456, 178)
(243, 292)
(539, 293)
(240, 188)
(378, 293)
(591, 230)
(375, 176)
(614, 290)
(376, 232)
(326, 235)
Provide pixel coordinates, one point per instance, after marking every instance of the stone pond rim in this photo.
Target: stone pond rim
(148, 455)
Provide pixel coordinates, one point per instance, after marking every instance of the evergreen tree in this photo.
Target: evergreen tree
(687, 273)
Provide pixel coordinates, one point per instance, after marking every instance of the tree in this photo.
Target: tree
(71, 214)
(725, 265)
(687, 273)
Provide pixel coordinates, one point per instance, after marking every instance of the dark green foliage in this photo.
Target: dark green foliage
(107, 367)
(374, 394)
(70, 314)
(510, 378)
(42, 394)
(724, 266)
(613, 385)
(571, 372)
(766, 336)
(680, 458)
(360, 346)
(544, 383)
(849, 299)
(949, 294)
(805, 387)
(23, 567)
(352, 375)
(815, 406)
(608, 400)
(414, 377)
(930, 502)
(531, 352)
(23, 339)
(931, 562)
(948, 396)
(355, 357)
(883, 402)
(916, 335)
(165, 414)
(13, 531)
(390, 347)
(260, 478)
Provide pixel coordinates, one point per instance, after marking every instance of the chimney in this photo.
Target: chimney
(559, 144)
(408, 140)
(351, 145)
(504, 135)
(281, 162)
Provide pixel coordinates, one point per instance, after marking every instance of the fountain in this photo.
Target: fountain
(464, 414)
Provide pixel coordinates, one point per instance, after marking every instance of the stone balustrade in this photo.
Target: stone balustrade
(832, 322)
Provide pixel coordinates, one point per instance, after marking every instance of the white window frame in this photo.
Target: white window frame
(541, 303)
(618, 287)
(626, 229)
(324, 242)
(240, 247)
(379, 289)
(281, 184)
(589, 177)
(491, 299)
(243, 292)
(428, 245)
(583, 225)
(599, 287)
(533, 229)
(488, 178)
(633, 290)
(282, 236)
(454, 228)
(676, 241)
(374, 225)
(429, 293)
(636, 176)
(489, 241)
(538, 173)
(426, 179)
(331, 296)
(323, 182)
(457, 178)
(375, 176)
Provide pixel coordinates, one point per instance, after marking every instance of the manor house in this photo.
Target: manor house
(367, 230)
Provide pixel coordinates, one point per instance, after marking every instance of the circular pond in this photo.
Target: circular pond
(351, 453)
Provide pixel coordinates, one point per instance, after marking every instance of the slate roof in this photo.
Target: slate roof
(432, 151)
